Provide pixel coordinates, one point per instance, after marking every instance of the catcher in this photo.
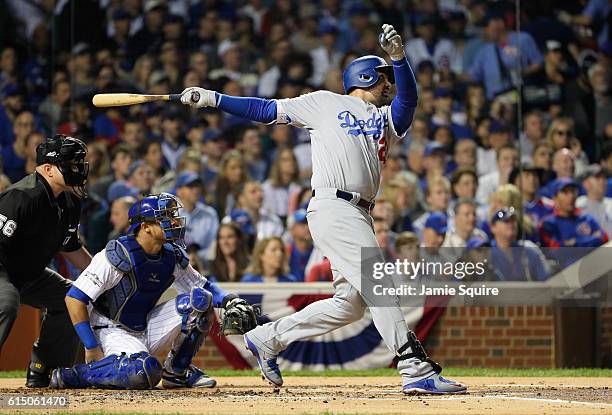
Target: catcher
(113, 308)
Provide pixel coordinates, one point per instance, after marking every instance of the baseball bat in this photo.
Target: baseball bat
(119, 100)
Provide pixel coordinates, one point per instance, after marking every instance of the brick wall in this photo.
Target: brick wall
(517, 337)
(494, 337)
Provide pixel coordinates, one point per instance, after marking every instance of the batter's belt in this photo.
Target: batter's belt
(349, 197)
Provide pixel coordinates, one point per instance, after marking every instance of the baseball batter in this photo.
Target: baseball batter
(112, 305)
(350, 135)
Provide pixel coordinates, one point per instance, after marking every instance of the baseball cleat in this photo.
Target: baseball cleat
(434, 384)
(192, 378)
(66, 378)
(267, 364)
(38, 376)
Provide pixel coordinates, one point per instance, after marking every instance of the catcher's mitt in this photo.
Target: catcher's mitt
(238, 317)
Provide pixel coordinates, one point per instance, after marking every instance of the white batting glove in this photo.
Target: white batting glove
(198, 97)
(391, 42)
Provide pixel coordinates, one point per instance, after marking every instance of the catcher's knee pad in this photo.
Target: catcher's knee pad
(196, 309)
(417, 351)
(137, 371)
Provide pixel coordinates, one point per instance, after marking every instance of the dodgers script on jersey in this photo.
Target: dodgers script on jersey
(350, 139)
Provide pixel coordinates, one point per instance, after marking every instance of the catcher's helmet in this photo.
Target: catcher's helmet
(364, 72)
(163, 209)
(68, 154)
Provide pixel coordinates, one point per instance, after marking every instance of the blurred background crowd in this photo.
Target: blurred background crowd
(511, 144)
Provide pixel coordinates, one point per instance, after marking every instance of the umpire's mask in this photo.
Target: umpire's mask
(68, 154)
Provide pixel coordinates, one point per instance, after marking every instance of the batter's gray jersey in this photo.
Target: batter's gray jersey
(350, 139)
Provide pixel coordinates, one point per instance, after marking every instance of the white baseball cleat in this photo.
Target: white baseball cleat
(192, 378)
(434, 384)
(267, 363)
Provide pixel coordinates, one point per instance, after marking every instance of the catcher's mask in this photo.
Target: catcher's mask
(162, 209)
(68, 154)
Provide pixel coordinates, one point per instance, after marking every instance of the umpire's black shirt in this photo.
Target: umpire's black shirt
(34, 226)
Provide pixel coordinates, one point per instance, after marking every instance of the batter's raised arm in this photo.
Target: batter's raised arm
(405, 102)
(254, 109)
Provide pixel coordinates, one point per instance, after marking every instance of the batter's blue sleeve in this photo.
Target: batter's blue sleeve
(405, 102)
(254, 109)
(77, 294)
(217, 292)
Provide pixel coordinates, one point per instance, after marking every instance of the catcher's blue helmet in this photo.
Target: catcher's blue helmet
(365, 71)
(163, 209)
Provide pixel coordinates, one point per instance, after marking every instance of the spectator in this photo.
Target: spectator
(383, 237)
(261, 223)
(475, 104)
(250, 145)
(599, 76)
(282, 183)
(326, 56)
(464, 226)
(149, 36)
(143, 68)
(268, 263)
(231, 54)
(595, 14)
(561, 135)
(133, 134)
(232, 176)
(151, 152)
(579, 100)
(277, 53)
(498, 136)
(140, 177)
(213, 148)
(173, 145)
(202, 220)
(544, 89)
(231, 255)
(55, 105)
(506, 196)
(567, 226)
(511, 259)
(532, 134)
(496, 64)
(506, 160)
(527, 179)
(12, 105)
(595, 203)
(437, 198)
(301, 251)
(427, 45)
(120, 160)
(407, 246)
(119, 216)
(79, 69)
(403, 193)
(434, 162)
(99, 163)
(464, 155)
(14, 156)
(562, 167)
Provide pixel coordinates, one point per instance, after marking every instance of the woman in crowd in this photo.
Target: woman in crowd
(560, 135)
(231, 256)
(232, 175)
(269, 262)
(282, 183)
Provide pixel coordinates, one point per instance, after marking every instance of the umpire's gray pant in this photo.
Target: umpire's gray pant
(57, 344)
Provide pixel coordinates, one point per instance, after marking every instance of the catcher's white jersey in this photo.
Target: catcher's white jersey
(163, 322)
(350, 139)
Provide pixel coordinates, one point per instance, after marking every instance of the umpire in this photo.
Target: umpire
(39, 217)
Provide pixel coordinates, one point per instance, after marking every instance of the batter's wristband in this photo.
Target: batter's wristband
(86, 334)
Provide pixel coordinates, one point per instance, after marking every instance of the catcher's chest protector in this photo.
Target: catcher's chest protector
(144, 281)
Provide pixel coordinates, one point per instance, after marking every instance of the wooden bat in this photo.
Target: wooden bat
(119, 100)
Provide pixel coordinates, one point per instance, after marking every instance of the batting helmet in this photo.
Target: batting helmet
(162, 209)
(365, 71)
(68, 154)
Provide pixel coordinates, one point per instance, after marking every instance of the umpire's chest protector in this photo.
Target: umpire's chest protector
(144, 281)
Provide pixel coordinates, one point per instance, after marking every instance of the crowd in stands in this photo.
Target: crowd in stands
(484, 165)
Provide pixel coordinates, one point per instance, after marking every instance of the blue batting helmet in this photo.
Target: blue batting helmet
(365, 71)
(162, 209)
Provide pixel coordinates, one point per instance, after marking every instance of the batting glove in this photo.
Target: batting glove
(391, 42)
(198, 97)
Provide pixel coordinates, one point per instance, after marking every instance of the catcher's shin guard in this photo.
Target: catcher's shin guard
(137, 371)
(197, 311)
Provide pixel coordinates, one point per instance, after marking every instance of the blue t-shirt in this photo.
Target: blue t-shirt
(14, 166)
(259, 278)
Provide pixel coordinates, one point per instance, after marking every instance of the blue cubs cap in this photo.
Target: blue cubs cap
(135, 165)
(442, 93)
(187, 178)
(561, 184)
(498, 127)
(120, 189)
(437, 221)
(504, 215)
(120, 14)
(433, 147)
(299, 216)
(477, 242)
(244, 221)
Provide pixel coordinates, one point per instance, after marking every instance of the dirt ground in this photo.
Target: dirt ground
(371, 395)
